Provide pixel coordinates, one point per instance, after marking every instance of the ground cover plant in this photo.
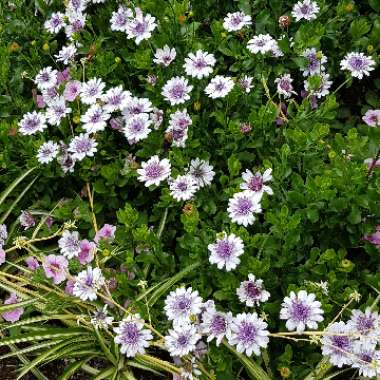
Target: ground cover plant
(189, 190)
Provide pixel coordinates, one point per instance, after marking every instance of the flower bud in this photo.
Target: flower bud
(117, 60)
(197, 105)
(45, 47)
(284, 21)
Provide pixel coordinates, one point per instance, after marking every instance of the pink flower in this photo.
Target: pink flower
(69, 289)
(373, 238)
(107, 232)
(63, 75)
(55, 268)
(72, 90)
(87, 251)
(2, 256)
(15, 314)
(40, 101)
(372, 118)
(370, 162)
(32, 263)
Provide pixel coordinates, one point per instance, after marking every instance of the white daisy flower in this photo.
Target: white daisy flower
(366, 359)
(245, 84)
(219, 87)
(263, 43)
(47, 152)
(137, 128)
(242, 207)
(66, 54)
(324, 88)
(236, 21)
(183, 187)
(100, 319)
(82, 146)
(284, 85)
(57, 110)
(257, 182)
(225, 251)
(55, 23)
(182, 303)
(46, 78)
(202, 172)
(164, 56)
(120, 19)
(182, 340)
(357, 64)
(31, 123)
(177, 90)
(301, 310)
(251, 292)
(95, 119)
(135, 106)
(87, 283)
(249, 334)
(306, 9)
(132, 336)
(316, 61)
(199, 65)
(154, 171)
(91, 91)
(140, 27)
(69, 244)
(116, 99)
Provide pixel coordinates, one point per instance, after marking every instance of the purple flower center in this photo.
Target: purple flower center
(178, 134)
(83, 145)
(365, 357)
(357, 63)
(364, 324)
(55, 21)
(247, 333)
(252, 290)
(200, 63)
(153, 170)
(115, 100)
(218, 325)
(285, 85)
(256, 183)
(89, 280)
(183, 303)
(130, 333)
(183, 340)
(244, 206)
(224, 249)
(182, 186)
(31, 124)
(95, 118)
(236, 20)
(137, 126)
(121, 19)
(140, 28)
(299, 311)
(305, 9)
(341, 342)
(93, 91)
(177, 91)
(220, 86)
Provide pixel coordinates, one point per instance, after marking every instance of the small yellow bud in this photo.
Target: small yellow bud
(117, 60)
(182, 19)
(76, 119)
(345, 263)
(285, 372)
(197, 105)
(188, 209)
(319, 55)
(223, 34)
(191, 14)
(349, 7)
(45, 47)
(33, 43)
(14, 47)
(332, 155)
(370, 49)
(106, 252)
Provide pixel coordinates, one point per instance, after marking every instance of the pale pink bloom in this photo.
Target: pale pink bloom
(32, 263)
(15, 314)
(87, 251)
(55, 267)
(107, 232)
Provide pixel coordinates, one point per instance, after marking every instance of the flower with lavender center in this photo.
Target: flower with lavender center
(366, 358)
(199, 64)
(137, 128)
(182, 303)
(26, 220)
(57, 110)
(101, 319)
(257, 182)
(15, 314)
(154, 171)
(87, 283)
(366, 324)
(55, 23)
(225, 251)
(132, 336)
(32, 263)
(183, 187)
(338, 344)
(72, 90)
(242, 207)
(245, 84)
(46, 78)
(177, 90)
(164, 56)
(262, 43)
(140, 27)
(357, 64)
(32, 122)
(324, 86)
(216, 324)
(306, 9)
(95, 119)
(249, 333)
(284, 85)
(116, 99)
(66, 54)
(157, 117)
(120, 19)
(201, 171)
(219, 87)
(233, 22)
(251, 292)
(136, 106)
(69, 244)
(315, 63)
(182, 339)
(301, 311)
(372, 118)
(55, 267)
(82, 146)
(91, 91)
